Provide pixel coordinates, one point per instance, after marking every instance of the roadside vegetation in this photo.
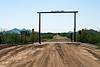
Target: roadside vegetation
(89, 36)
(84, 35)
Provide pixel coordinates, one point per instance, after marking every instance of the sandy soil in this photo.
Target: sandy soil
(55, 54)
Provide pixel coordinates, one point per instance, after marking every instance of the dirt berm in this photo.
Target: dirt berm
(51, 54)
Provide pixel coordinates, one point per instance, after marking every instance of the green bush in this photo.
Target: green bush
(87, 36)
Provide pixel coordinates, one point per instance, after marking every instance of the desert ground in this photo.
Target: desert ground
(50, 54)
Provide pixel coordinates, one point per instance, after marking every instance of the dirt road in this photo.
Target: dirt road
(50, 55)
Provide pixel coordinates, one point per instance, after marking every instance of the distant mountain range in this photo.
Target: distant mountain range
(92, 31)
(15, 30)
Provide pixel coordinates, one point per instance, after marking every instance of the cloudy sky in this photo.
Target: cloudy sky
(23, 14)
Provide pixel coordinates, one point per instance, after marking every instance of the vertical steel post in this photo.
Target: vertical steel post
(74, 27)
(40, 28)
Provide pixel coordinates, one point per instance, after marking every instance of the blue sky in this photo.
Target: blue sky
(23, 14)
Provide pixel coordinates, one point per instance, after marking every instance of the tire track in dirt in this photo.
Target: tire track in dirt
(7, 50)
(93, 53)
(48, 55)
(85, 58)
(69, 53)
(60, 52)
(73, 56)
(14, 51)
(32, 57)
(44, 57)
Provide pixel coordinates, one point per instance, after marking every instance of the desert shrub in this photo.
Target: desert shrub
(88, 36)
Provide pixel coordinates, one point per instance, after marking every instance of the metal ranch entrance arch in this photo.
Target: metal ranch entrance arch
(74, 12)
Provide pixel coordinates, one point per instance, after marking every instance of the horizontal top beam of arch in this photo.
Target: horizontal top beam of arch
(60, 12)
